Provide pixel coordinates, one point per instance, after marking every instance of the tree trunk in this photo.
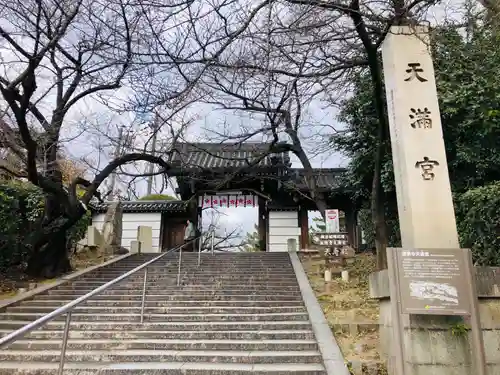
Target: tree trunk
(50, 256)
(317, 196)
(52, 259)
(377, 195)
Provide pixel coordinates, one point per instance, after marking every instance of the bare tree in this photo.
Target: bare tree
(315, 44)
(56, 55)
(281, 117)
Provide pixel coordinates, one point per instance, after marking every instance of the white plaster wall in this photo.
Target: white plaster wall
(130, 223)
(133, 220)
(282, 226)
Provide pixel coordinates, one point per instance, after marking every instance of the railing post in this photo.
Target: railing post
(64, 343)
(199, 249)
(179, 267)
(143, 302)
(213, 239)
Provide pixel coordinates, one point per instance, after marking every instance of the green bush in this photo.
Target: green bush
(366, 224)
(157, 197)
(21, 211)
(478, 221)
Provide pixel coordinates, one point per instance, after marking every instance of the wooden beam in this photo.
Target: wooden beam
(350, 223)
(263, 220)
(304, 227)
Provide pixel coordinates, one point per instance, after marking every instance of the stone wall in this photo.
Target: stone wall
(440, 345)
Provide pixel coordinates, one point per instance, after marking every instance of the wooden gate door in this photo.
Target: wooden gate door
(174, 234)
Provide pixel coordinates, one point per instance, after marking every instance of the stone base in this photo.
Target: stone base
(434, 344)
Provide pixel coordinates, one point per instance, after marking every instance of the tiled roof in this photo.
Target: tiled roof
(326, 178)
(146, 206)
(223, 155)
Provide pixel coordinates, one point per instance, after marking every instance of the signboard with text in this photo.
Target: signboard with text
(330, 239)
(433, 281)
(227, 201)
(332, 221)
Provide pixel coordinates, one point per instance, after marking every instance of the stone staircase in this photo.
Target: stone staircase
(236, 314)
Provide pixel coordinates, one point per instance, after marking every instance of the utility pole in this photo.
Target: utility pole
(116, 155)
(154, 126)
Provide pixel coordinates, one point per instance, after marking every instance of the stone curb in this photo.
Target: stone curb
(332, 356)
(60, 281)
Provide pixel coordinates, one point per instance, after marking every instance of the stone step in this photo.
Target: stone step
(199, 294)
(184, 284)
(188, 287)
(191, 276)
(197, 275)
(183, 288)
(194, 271)
(78, 317)
(166, 344)
(247, 357)
(298, 334)
(204, 267)
(169, 326)
(204, 263)
(179, 297)
(54, 304)
(161, 368)
(204, 259)
(195, 281)
(212, 265)
(163, 310)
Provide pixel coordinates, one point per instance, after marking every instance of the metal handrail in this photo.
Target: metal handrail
(69, 307)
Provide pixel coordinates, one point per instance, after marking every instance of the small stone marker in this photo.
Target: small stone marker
(135, 247)
(328, 276)
(345, 276)
(292, 245)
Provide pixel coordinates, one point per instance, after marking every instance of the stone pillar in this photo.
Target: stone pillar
(425, 206)
(263, 220)
(112, 229)
(94, 237)
(135, 247)
(304, 228)
(145, 236)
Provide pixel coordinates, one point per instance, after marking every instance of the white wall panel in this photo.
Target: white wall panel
(130, 222)
(283, 225)
(283, 222)
(283, 214)
(284, 231)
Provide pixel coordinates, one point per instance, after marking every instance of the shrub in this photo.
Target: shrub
(478, 221)
(21, 211)
(157, 197)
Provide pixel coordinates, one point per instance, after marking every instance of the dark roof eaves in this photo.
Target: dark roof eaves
(145, 206)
